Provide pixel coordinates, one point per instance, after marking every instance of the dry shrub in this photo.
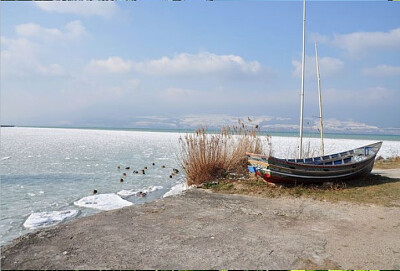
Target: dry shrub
(207, 157)
(388, 163)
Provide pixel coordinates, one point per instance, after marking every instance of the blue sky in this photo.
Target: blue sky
(182, 64)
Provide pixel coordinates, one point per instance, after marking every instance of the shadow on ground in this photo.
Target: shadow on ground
(370, 180)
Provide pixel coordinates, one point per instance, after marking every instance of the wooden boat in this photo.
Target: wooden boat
(334, 167)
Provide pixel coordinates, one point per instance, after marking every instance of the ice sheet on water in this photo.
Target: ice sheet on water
(152, 188)
(132, 192)
(5, 158)
(176, 189)
(45, 219)
(103, 202)
(127, 193)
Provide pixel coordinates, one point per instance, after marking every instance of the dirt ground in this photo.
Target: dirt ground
(203, 230)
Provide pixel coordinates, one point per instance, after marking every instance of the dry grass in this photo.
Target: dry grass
(208, 157)
(372, 189)
(208, 160)
(388, 163)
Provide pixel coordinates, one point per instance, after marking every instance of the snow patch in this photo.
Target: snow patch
(103, 202)
(5, 158)
(176, 189)
(127, 193)
(46, 219)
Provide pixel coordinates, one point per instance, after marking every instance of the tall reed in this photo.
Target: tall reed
(206, 157)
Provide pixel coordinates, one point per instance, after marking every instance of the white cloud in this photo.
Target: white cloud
(52, 69)
(105, 9)
(202, 63)
(27, 54)
(112, 65)
(73, 30)
(382, 71)
(357, 43)
(20, 57)
(20, 47)
(182, 64)
(327, 66)
(32, 29)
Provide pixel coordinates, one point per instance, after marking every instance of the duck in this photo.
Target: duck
(121, 180)
(143, 172)
(142, 194)
(163, 166)
(94, 192)
(124, 174)
(145, 167)
(127, 167)
(175, 171)
(153, 164)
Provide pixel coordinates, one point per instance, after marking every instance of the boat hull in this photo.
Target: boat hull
(335, 167)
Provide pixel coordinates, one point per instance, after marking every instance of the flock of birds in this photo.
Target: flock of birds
(143, 172)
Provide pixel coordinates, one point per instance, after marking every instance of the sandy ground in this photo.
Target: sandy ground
(201, 230)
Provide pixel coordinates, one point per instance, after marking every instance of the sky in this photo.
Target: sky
(163, 64)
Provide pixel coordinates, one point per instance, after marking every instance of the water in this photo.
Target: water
(48, 169)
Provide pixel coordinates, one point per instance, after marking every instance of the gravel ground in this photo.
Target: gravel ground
(202, 230)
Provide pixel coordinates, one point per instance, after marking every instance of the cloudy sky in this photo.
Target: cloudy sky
(182, 64)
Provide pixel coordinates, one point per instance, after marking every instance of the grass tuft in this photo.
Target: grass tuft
(388, 163)
(208, 157)
(371, 189)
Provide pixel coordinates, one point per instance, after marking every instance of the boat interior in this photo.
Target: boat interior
(346, 157)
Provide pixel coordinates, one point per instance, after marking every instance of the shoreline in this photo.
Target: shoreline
(217, 231)
(331, 135)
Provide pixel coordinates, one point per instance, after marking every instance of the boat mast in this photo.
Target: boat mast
(320, 102)
(302, 82)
